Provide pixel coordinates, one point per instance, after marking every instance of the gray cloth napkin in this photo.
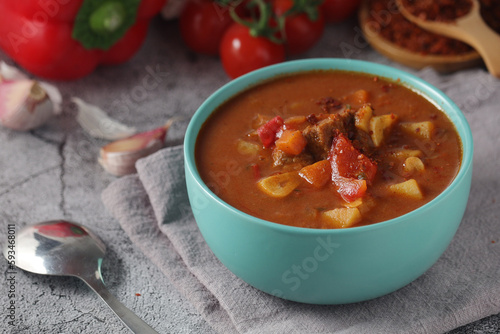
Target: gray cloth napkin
(463, 286)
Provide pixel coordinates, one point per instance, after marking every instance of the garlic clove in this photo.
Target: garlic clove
(119, 157)
(54, 96)
(98, 124)
(10, 72)
(24, 104)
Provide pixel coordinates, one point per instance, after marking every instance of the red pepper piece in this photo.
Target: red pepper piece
(350, 189)
(351, 170)
(267, 132)
(38, 35)
(256, 171)
(61, 230)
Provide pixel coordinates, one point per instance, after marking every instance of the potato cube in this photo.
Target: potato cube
(360, 96)
(420, 129)
(259, 120)
(367, 204)
(296, 105)
(379, 126)
(413, 164)
(341, 217)
(408, 189)
(279, 185)
(362, 118)
(404, 154)
(247, 148)
(363, 204)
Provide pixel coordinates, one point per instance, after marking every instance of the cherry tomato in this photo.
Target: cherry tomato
(339, 10)
(202, 24)
(241, 53)
(301, 32)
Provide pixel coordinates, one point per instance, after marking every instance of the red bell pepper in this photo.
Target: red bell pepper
(351, 170)
(68, 39)
(267, 132)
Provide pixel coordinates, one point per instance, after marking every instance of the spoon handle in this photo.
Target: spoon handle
(471, 29)
(485, 40)
(132, 321)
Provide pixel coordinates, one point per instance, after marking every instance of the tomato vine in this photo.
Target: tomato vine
(237, 30)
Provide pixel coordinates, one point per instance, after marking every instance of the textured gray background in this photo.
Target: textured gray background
(52, 173)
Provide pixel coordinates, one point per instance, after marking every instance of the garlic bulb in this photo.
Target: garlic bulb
(25, 104)
(119, 157)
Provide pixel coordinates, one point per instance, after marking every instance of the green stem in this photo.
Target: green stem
(308, 7)
(227, 3)
(261, 27)
(107, 18)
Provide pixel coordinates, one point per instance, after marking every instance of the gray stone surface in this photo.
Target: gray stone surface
(52, 173)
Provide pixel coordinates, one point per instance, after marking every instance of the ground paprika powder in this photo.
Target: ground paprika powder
(398, 30)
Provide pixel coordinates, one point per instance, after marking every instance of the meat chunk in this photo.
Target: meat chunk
(363, 142)
(291, 162)
(329, 104)
(319, 136)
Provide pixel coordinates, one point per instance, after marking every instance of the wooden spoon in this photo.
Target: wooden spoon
(470, 29)
(441, 63)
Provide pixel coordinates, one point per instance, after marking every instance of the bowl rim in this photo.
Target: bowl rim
(418, 85)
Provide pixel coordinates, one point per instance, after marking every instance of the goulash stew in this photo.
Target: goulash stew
(328, 149)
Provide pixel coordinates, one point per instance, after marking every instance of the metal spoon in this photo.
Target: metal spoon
(470, 29)
(64, 248)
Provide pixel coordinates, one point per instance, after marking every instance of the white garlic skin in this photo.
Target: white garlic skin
(123, 163)
(24, 105)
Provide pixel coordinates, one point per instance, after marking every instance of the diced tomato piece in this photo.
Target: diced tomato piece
(317, 174)
(267, 131)
(291, 142)
(350, 189)
(351, 170)
(350, 162)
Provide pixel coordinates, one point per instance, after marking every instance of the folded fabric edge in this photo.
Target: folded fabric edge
(139, 224)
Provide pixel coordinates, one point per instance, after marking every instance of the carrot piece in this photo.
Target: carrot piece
(291, 142)
(294, 122)
(317, 174)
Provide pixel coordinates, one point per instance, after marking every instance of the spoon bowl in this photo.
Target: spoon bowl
(469, 28)
(441, 63)
(64, 248)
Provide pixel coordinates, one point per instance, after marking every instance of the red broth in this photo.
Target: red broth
(323, 115)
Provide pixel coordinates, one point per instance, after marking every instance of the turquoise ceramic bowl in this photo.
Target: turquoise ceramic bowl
(328, 266)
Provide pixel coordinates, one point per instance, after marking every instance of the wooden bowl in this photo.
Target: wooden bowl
(442, 64)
